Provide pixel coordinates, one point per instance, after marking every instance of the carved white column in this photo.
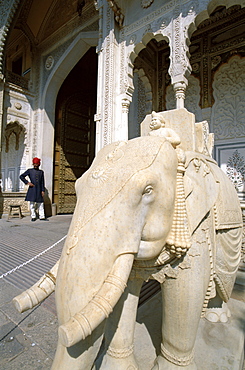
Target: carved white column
(179, 90)
(124, 82)
(180, 67)
(105, 114)
(121, 129)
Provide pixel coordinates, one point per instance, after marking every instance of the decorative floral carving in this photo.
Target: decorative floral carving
(18, 106)
(195, 67)
(132, 39)
(192, 95)
(49, 62)
(228, 112)
(235, 170)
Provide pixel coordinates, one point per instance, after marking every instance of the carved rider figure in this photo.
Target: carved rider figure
(158, 128)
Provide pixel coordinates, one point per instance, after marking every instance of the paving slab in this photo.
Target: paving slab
(27, 340)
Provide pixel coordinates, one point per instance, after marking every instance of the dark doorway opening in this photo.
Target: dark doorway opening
(74, 130)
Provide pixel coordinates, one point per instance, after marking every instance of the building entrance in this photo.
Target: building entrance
(74, 130)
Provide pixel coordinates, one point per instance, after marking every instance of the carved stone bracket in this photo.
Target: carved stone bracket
(119, 17)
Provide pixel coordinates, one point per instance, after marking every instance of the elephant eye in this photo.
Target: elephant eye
(148, 189)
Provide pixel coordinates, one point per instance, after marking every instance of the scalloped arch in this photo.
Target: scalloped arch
(145, 39)
(13, 127)
(134, 54)
(205, 14)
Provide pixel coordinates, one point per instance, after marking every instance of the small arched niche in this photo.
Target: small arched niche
(13, 157)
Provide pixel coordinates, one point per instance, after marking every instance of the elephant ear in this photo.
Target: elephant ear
(201, 188)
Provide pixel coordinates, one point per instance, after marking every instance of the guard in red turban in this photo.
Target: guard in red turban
(36, 161)
(36, 189)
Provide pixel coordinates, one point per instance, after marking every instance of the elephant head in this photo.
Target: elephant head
(125, 206)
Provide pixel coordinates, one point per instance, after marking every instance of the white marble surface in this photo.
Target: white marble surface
(218, 345)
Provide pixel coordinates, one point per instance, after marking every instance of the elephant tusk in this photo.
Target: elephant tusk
(99, 308)
(38, 292)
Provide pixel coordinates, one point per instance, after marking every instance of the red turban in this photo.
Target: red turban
(36, 161)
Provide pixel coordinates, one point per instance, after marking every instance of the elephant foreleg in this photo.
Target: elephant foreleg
(119, 332)
(183, 299)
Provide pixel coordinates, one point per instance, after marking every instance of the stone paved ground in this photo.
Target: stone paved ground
(29, 340)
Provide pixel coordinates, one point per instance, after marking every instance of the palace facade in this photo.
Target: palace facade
(77, 75)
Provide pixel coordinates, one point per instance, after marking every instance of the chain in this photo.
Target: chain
(32, 259)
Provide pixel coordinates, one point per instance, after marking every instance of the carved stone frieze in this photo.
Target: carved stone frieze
(13, 78)
(123, 63)
(220, 15)
(149, 19)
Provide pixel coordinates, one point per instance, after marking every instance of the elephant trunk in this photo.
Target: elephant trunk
(99, 308)
(38, 292)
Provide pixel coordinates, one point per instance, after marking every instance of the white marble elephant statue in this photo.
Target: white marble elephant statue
(144, 211)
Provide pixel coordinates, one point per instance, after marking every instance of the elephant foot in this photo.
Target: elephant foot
(162, 363)
(220, 314)
(119, 362)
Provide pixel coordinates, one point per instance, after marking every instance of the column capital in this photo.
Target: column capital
(179, 90)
